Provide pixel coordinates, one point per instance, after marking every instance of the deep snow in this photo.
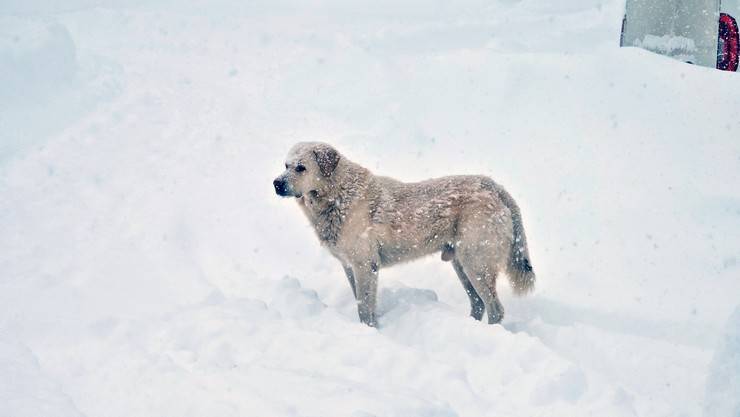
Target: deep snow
(148, 269)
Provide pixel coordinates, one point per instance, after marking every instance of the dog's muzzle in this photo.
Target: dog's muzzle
(281, 187)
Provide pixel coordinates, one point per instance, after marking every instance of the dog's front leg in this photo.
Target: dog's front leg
(351, 279)
(366, 280)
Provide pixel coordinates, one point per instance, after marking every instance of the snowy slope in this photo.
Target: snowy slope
(723, 384)
(148, 269)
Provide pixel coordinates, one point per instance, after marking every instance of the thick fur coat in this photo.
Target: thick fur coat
(369, 222)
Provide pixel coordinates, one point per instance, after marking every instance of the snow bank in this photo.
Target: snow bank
(37, 64)
(26, 391)
(722, 397)
(230, 356)
(37, 57)
(44, 84)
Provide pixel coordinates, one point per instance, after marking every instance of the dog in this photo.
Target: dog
(369, 222)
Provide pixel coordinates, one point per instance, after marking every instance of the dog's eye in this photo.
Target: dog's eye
(300, 168)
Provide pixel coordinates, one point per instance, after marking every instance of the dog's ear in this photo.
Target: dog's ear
(327, 158)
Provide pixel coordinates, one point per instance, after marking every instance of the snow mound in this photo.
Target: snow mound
(251, 355)
(26, 391)
(294, 301)
(722, 398)
(37, 56)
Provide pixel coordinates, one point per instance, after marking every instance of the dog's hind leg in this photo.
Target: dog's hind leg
(480, 265)
(476, 303)
(495, 309)
(483, 280)
(482, 248)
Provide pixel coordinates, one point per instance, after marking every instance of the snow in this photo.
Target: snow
(148, 269)
(679, 47)
(723, 385)
(27, 392)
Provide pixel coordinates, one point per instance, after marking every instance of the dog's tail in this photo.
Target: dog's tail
(519, 268)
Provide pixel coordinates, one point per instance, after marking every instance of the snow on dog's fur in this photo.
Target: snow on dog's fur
(368, 222)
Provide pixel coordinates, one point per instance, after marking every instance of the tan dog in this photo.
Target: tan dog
(369, 222)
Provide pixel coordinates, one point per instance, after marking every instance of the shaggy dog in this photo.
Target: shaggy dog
(369, 222)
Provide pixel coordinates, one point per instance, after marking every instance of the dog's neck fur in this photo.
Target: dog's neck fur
(327, 207)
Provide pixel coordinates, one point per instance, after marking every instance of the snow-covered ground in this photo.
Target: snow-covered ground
(148, 269)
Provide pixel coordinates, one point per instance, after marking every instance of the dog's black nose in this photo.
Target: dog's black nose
(280, 188)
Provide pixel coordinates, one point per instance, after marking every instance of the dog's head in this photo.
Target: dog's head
(308, 167)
